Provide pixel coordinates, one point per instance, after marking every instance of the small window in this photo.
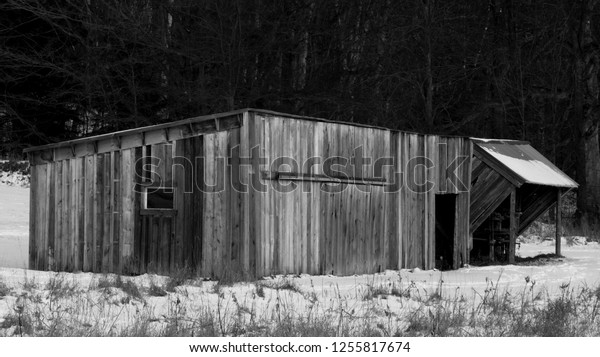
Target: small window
(161, 198)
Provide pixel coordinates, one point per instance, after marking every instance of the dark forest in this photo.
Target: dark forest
(524, 70)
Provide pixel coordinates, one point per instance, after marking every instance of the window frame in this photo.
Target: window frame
(144, 210)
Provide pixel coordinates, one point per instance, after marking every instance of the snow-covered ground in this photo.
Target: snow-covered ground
(381, 304)
(14, 225)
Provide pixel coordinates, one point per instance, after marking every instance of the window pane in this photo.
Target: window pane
(159, 198)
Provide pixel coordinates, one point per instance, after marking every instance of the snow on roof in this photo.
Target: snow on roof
(526, 162)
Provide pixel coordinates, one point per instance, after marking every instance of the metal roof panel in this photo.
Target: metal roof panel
(525, 161)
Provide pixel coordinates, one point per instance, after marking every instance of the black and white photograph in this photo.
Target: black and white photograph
(304, 176)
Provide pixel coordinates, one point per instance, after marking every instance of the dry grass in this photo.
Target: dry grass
(156, 290)
(123, 284)
(4, 290)
(281, 284)
(119, 307)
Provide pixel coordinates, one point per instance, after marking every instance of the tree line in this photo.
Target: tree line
(498, 68)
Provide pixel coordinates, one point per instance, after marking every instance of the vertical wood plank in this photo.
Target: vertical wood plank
(163, 248)
(144, 236)
(245, 197)
(136, 161)
(434, 172)
(73, 215)
(301, 195)
(391, 203)
(49, 217)
(99, 213)
(258, 237)
(127, 212)
(354, 239)
(209, 248)
(315, 201)
(88, 235)
(67, 208)
(324, 212)
(116, 214)
(168, 162)
(81, 201)
(33, 216)
(466, 219)
(451, 154)
(340, 198)
(43, 256)
(186, 219)
(295, 197)
(183, 187)
(424, 201)
(42, 195)
(287, 259)
(267, 235)
(513, 226)
(228, 202)
(197, 238)
(335, 203)
(276, 221)
(223, 239)
(155, 227)
(366, 246)
(403, 201)
(64, 215)
(308, 198)
(415, 216)
(55, 242)
(108, 213)
(557, 242)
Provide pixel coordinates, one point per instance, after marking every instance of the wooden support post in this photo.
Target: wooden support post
(492, 242)
(513, 226)
(558, 221)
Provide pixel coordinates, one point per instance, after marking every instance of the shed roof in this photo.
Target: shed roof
(192, 123)
(522, 162)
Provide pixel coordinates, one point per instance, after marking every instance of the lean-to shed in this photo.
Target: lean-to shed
(252, 191)
(512, 184)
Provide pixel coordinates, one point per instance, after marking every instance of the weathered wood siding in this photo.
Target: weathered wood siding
(86, 207)
(317, 229)
(83, 216)
(86, 212)
(220, 208)
(444, 163)
(488, 190)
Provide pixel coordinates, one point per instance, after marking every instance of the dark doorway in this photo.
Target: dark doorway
(445, 213)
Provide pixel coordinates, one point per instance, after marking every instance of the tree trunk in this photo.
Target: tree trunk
(587, 65)
(588, 173)
(299, 63)
(428, 69)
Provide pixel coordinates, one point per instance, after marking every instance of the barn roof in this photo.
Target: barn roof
(520, 163)
(180, 128)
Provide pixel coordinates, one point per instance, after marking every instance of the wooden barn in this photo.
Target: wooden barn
(262, 193)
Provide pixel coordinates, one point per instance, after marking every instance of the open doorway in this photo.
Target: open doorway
(445, 213)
